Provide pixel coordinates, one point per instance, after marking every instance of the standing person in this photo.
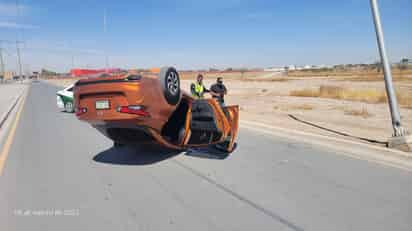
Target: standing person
(218, 91)
(198, 89)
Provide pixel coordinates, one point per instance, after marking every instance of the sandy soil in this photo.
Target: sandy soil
(266, 99)
(270, 103)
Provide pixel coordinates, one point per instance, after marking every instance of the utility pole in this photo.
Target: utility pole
(17, 42)
(106, 59)
(72, 61)
(401, 138)
(3, 70)
(19, 65)
(19, 60)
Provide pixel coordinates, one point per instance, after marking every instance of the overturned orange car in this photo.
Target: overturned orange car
(150, 107)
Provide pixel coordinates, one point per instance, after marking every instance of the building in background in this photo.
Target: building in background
(9, 75)
(275, 69)
(88, 72)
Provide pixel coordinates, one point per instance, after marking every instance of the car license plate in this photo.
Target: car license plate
(102, 104)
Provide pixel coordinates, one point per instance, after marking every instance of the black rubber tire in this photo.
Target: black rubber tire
(181, 135)
(170, 82)
(68, 107)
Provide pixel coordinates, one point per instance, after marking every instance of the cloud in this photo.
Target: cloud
(11, 10)
(14, 25)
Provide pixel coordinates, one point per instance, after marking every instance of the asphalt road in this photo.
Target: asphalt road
(8, 94)
(61, 174)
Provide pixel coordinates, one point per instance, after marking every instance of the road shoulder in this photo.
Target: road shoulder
(7, 120)
(358, 150)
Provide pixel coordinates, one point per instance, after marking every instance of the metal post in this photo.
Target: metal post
(393, 104)
(106, 59)
(19, 61)
(2, 62)
(17, 42)
(72, 61)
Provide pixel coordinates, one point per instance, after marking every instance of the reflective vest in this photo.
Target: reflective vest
(199, 90)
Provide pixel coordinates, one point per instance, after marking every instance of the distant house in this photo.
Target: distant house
(322, 66)
(8, 75)
(275, 69)
(405, 64)
(406, 61)
(87, 72)
(291, 67)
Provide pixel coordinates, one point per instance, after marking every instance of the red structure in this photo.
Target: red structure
(85, 72)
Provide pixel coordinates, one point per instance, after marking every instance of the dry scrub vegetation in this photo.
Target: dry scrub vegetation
(368, 75)
(362, 95)
(297, 107)
(358, 112)
(270, 98)
(305, 107)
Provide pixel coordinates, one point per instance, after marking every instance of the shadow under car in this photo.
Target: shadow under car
(152, 154)
(135, 155)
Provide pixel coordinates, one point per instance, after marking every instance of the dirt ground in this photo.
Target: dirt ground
(264, 97)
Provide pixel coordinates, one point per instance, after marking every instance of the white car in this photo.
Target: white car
(65, 99)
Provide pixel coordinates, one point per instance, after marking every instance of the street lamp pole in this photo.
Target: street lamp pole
(106, 59)
(19, 61)
(2, 62)
(398, 129)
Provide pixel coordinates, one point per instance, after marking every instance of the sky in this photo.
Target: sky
(191, 34)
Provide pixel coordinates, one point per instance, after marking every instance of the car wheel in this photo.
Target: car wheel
(181, 135)
(170, 82)
(69, 107)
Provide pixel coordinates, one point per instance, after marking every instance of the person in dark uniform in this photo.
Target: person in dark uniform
(218, 91)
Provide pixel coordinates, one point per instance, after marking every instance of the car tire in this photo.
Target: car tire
(68, 107)
(181, 135)
(170, 82)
